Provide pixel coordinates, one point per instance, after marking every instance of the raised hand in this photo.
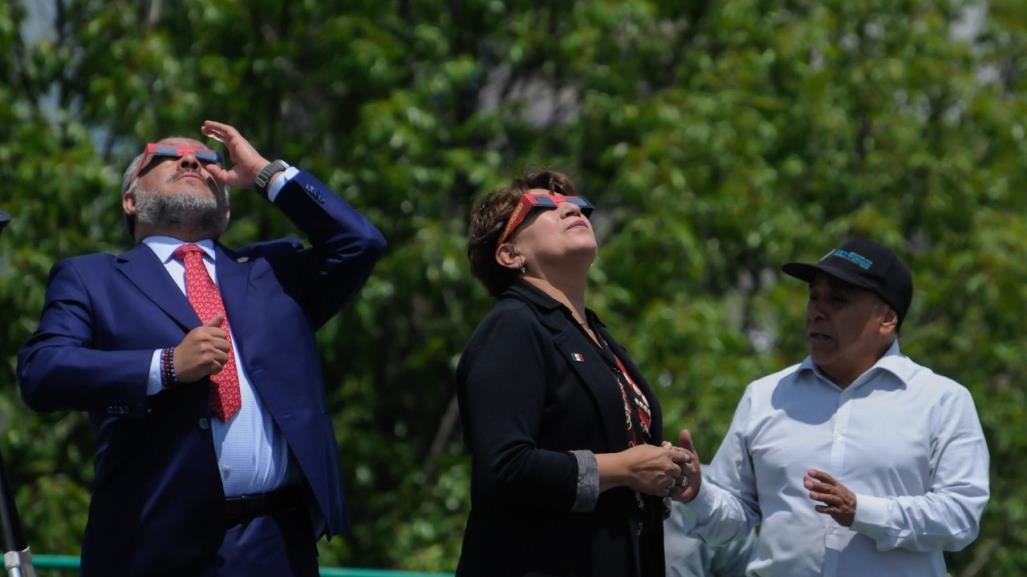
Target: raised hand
(246, 161)
(838, 501)
(690, 468)
(203, 351)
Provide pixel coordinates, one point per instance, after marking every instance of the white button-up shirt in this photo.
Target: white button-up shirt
(905, 440)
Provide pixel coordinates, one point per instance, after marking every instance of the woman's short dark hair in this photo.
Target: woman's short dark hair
(489, 217)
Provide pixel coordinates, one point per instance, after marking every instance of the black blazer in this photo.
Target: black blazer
(532, 387)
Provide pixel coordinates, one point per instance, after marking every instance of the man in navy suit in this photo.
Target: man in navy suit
(199, 370)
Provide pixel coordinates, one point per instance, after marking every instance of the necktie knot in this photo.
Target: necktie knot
(186, 250)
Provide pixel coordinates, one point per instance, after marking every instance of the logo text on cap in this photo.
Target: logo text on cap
(855, 258)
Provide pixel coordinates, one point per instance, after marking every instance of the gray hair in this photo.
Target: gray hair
(127, 179)
(127, 182)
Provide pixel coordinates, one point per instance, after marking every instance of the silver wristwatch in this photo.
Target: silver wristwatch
(265, 175)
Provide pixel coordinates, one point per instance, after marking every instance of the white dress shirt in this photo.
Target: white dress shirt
(687, 556)
(905, 440)
(253, 456)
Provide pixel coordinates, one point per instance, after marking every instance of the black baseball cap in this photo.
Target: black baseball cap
(865, 264)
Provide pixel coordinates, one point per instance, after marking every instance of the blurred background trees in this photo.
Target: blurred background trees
(719, 139)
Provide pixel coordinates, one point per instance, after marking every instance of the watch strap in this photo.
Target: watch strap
(272, 168)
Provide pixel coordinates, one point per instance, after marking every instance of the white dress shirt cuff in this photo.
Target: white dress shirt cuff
(872, 514)
(153, 382)
(588, 482)
(276, 186)
(702, 506)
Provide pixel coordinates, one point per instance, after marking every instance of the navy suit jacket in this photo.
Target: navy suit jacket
(158, 503)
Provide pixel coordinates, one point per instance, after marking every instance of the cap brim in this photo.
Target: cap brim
(807, 272)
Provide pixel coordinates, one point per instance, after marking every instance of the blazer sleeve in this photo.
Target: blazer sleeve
(503, 379)
(60, 368)
(345, 246)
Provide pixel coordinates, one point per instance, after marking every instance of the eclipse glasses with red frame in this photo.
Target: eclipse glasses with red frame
(530, 201)
(154, 150)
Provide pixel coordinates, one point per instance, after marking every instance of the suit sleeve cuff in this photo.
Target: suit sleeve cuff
(588, 482)
(872, 514)
(153, 381)
(276, 186)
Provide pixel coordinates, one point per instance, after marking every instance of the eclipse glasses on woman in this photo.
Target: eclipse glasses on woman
(529, 201)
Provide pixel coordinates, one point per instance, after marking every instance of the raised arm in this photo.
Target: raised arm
(723, 506)
(345, 246)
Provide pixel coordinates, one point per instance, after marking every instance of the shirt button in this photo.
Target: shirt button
(204, 423)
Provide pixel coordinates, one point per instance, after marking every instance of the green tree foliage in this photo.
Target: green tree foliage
(719, 139)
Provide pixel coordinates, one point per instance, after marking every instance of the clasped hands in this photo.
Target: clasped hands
(660, 471)
(656, 470)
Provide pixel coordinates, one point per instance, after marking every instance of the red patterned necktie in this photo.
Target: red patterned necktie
(205, 298)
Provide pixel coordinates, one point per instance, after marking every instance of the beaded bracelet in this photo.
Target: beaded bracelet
(168, 378)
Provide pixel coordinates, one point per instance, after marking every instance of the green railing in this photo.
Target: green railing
(71, 563)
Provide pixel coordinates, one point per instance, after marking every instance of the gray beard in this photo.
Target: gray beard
(205, 215)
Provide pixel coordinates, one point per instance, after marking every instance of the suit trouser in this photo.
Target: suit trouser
(279, 543)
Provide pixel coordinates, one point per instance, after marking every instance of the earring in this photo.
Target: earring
(524, 269)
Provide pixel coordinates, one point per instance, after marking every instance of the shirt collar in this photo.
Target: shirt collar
(535, 296)
(164, 246)
(892, 361)
(541, 301)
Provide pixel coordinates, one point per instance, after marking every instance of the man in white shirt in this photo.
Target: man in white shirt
(857, 461)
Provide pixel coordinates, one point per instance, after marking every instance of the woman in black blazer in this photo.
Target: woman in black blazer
(569, 468)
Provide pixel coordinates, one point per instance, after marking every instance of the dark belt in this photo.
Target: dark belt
(245, 507)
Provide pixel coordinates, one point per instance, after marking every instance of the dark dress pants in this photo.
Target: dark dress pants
(279, 543)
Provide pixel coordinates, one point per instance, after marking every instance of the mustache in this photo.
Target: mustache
(211, 183)
(182, 171)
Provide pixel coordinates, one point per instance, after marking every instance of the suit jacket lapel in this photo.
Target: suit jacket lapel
(142, 267)
(597, 379)
(584, 359)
